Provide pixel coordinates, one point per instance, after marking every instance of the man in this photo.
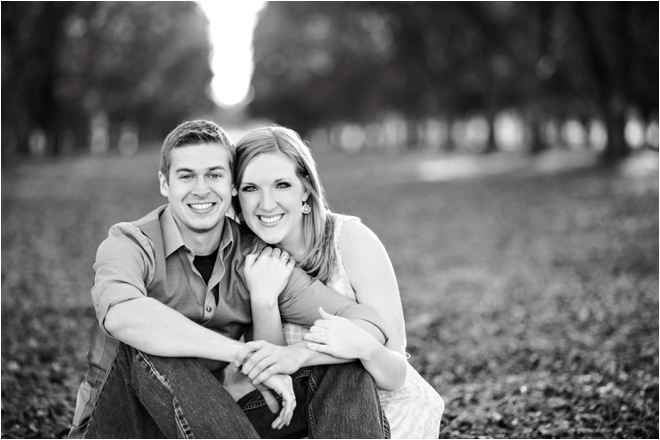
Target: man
(172, 301)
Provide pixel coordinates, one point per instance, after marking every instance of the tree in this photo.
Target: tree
(616, 46)
(322, 63)
(145, 64)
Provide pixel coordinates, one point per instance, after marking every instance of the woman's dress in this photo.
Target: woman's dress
(415, 409)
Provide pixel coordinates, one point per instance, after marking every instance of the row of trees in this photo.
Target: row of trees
(70, 67)
(323, 63)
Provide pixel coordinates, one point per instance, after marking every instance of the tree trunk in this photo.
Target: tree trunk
(615, 120)
(537, 143)
(491, 143)
(450, 144)
(412, 141)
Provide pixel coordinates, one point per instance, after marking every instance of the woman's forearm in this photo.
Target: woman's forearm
(267, 324)
(387, 367)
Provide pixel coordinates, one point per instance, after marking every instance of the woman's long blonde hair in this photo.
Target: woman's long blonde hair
(317, 226)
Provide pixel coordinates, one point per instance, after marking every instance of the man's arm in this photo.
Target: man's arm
(150, 326)
(124, 266)
(302, 297)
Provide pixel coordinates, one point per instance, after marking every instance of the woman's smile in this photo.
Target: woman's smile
(270, 220)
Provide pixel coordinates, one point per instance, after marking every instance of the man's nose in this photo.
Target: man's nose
(201, 187)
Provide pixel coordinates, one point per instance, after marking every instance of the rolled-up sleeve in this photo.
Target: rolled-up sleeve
(302, 297)
(124, 267)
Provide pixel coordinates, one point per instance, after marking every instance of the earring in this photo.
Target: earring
(306, 209)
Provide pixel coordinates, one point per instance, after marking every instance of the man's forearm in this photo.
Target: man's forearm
(152, 327)
(300, 301)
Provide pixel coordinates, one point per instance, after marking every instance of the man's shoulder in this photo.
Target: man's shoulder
(152, 217)
(245, 240)
(133, 231)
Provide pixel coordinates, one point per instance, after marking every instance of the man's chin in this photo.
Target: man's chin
(202, 229)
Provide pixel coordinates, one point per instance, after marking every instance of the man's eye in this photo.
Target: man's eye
(186, 176)
(215, 176)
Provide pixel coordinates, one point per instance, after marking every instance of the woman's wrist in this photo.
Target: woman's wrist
(263, 302)
(371, 350)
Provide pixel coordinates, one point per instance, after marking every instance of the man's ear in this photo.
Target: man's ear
(164, 186)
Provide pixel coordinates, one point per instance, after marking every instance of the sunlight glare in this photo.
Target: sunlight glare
(230, 26)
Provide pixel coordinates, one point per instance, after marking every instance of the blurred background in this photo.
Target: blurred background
(506, 153)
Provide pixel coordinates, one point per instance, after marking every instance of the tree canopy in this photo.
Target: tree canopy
(320, 63)
(141, 64)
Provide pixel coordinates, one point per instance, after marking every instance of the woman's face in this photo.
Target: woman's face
(271, 197)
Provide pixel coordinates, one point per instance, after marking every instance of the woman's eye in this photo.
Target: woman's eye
(283, 185)
(248, 189)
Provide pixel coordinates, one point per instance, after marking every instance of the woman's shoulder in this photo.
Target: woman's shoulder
(340, 219)
(353, 236)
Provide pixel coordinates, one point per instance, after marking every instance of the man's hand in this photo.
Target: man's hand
(267, 274)
(259, 360)
(340, 337)
(280, 384)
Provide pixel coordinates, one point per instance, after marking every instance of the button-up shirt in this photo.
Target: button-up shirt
(126, 268)
(126, 264)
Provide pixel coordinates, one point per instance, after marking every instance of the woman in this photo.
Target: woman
(282, 201)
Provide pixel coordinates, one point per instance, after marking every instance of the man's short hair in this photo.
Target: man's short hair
(194, 133)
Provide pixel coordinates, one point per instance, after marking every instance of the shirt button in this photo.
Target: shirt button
(208, 309)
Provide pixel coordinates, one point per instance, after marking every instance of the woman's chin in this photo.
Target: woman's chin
(269, 239)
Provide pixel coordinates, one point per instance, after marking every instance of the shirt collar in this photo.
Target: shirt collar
(172, 240)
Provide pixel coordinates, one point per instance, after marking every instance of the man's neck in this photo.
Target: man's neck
(202, 243)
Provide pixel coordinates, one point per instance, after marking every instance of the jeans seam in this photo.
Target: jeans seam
(181, 421)
(99, 394)
(386, 425)
(312, 384)
(312, 421)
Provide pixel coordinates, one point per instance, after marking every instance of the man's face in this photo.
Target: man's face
(200, 187)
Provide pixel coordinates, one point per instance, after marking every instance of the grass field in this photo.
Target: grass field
(531, 299)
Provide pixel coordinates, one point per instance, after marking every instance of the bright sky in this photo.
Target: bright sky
(231, 24)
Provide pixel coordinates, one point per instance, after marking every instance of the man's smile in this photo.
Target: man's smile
(201, 207)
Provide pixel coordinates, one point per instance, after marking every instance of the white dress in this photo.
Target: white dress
(415, 409)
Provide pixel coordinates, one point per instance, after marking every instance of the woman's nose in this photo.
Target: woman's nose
(267, 202)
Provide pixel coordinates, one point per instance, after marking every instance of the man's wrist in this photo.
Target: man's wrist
(300, 353)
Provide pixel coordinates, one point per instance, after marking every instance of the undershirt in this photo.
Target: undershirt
(204, 265)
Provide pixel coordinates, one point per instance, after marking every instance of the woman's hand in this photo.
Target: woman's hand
(341, 338)
(279, 384)
(266, 275)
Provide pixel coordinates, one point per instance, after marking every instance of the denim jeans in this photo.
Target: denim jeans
(146, 396)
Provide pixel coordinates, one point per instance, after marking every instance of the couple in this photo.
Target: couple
(175, 291)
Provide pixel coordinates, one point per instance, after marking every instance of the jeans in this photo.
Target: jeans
(147, 396)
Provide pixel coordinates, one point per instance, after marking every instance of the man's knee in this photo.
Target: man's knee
(349, 375)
